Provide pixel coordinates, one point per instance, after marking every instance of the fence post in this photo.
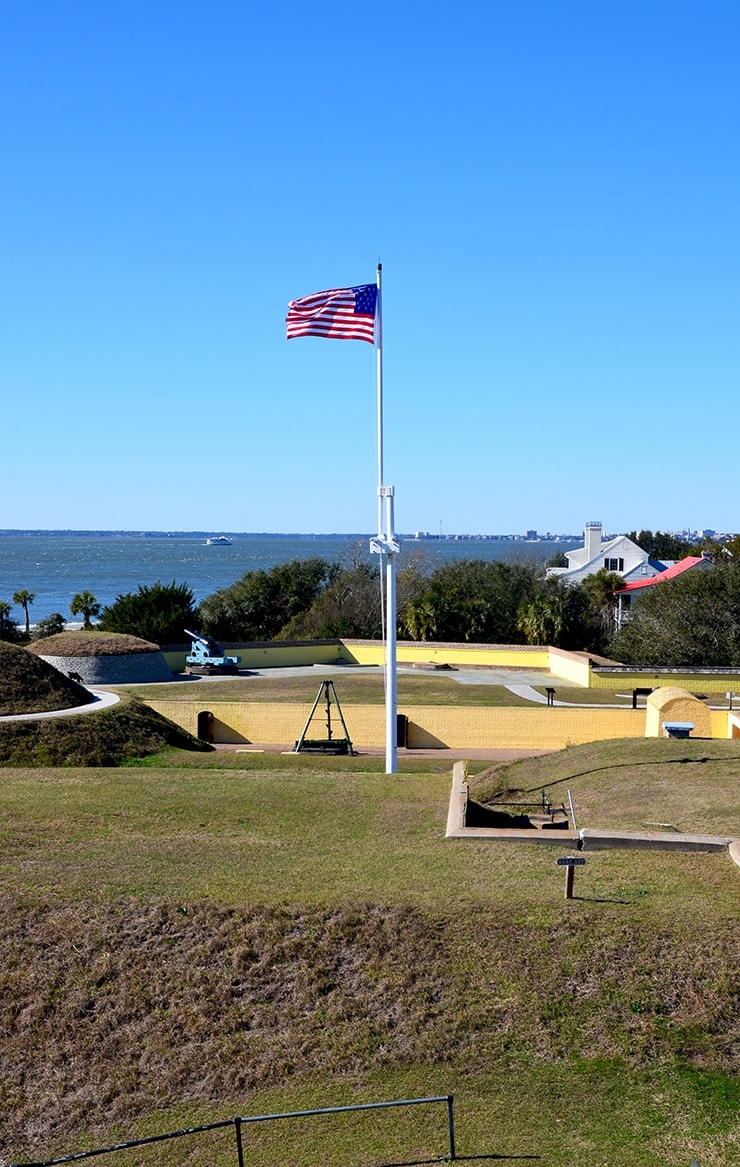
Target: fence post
(451, 1123)
(239, 1150)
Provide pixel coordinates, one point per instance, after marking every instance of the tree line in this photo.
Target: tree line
(692, 620)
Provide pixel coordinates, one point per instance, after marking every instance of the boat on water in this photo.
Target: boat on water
(218, 541)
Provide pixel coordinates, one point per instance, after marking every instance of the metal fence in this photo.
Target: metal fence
(241, 1121)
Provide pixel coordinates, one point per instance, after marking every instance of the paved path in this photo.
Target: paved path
(530, 694)
(103, 700)
(439, 753)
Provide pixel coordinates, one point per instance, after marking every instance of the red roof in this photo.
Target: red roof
(669, 573)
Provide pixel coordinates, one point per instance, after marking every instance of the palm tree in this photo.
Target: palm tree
(84, 604)
(24, 598)
(541, 620)
(6, 624)
(600, 588)
(420, 619)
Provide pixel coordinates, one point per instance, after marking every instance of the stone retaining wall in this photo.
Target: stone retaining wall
(122, 669)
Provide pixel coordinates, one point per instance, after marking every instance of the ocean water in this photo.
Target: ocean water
(56, 565)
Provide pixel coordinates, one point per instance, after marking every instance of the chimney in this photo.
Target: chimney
(592, 540)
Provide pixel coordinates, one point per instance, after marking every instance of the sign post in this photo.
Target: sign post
(570, 862)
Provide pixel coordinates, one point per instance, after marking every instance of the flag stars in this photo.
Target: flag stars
(365, 299)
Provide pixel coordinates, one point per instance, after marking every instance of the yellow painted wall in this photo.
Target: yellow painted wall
(273, 722)
(722, 723)
(274, 656)
(371, 652)
(430, 726)
(625, 682)
(674, 704)
(510, 729)
(571, 666)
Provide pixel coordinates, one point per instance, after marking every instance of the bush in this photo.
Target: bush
(159, 613)
(693, 620)
(261, 603)
(472, 600)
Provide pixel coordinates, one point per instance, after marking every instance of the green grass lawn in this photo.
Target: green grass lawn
(352, 689)
(574, 695)
(208, 935)
(367, 689)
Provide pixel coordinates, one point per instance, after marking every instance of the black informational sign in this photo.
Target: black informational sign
(571, 861)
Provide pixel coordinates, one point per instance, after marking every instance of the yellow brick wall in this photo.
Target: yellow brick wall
(674, 704)
(370, 652)
(430, 726)
(517, 729)
(696, 683)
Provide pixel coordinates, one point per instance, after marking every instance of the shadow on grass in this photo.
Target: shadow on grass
(458, 1159)
(630, 765)
(603, 900)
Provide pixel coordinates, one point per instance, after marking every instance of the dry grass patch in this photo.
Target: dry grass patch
(134, 1004)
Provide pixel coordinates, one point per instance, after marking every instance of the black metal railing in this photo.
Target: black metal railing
(241, 1121)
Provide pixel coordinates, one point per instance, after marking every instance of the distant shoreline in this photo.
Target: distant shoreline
(413, 538)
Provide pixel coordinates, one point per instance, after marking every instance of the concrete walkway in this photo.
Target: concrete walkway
(103, 700)
(531, 694)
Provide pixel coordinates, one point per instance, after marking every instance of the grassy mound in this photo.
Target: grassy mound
(178, 945)
(109, 737)
(30, 685)
(141, 1003)
(91, 644)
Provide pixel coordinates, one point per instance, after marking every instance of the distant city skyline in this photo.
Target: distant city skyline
(552, 196)
(530, 534)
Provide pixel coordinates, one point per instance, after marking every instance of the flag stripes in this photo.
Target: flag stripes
(338, 314)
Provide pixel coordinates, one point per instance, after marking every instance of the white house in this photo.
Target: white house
(619, 554)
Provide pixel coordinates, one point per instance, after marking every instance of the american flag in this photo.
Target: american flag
(339, 314)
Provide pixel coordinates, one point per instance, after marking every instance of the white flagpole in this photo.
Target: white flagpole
(379, 368)
(388, 548)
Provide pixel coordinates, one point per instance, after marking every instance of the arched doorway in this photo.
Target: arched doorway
(205, 726)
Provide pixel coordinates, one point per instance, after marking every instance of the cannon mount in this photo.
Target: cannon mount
(207, 658)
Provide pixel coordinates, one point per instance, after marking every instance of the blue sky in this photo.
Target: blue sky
(553, 190)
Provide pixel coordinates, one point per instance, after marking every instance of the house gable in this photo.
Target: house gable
(618, 554)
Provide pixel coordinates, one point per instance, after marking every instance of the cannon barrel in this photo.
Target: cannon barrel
(198, 636)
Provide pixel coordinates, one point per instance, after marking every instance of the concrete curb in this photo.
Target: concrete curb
(587, 839)
(659, 841)
(457, 813)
